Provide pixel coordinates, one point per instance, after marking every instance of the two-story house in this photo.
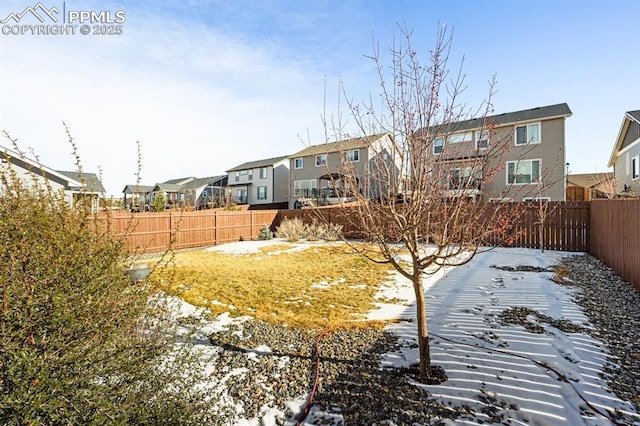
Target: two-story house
(625, 158)
(512, 156)
(261, 183)
(323, 174)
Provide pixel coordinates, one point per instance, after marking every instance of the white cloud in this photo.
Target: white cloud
(198, 101)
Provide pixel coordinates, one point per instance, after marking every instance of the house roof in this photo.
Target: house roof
(168, 187)
(200, 182)
(629, 116)
(537, 113)
(179, 181)
(90, 181)
(258, 163)
(589, 180)
(137, 189)
(172, 186)
(635, 115)
(21, 160)
(339, 146)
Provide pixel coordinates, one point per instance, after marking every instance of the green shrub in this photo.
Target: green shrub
(82, 344)
(265, 233)
(159, 202)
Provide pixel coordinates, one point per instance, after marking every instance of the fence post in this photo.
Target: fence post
(215, 227)
(251, 225)
(170, 227)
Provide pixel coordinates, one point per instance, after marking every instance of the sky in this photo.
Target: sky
(204, 86)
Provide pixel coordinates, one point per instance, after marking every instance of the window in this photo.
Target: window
(263, 172)
(353, 156)
(529, 133)
(635, 167)
(262, 193)
(482, 139)
(321, 160)
(523, 172)
(461, 178)
(298, 163)
(438, 144)
(305, 188)
(251, 174)
(237, 176)
(460, 137)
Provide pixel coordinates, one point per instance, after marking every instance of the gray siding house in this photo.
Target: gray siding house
(190, 192)
(262, 183)
(530, 163)
(317, 171)
(625, 158)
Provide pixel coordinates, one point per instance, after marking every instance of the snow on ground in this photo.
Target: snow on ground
(507, 363)
(247, 247)
(540, 379)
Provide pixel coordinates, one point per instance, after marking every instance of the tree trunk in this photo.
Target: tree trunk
(423, 331)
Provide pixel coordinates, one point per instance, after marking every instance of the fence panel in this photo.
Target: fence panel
(193, 229)
(150, 232)
(615, 236)
(560, 226)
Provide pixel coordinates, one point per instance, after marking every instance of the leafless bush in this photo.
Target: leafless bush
(291, 229)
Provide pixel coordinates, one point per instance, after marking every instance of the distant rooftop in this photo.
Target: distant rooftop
(339, 146)
(259, 163)
(537, 113)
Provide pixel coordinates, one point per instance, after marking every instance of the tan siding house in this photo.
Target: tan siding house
(318, 172)
(530, 165)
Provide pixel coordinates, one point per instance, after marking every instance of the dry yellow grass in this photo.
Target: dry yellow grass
(320, 286)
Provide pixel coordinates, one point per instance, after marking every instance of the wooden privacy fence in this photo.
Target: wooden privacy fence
(566, 226)
(152, 232)
(562, 226)
(615, 236)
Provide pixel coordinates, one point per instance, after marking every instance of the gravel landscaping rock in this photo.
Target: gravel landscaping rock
(613, 307)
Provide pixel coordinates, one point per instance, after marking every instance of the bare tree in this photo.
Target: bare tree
(423, 203)
(604, 185)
